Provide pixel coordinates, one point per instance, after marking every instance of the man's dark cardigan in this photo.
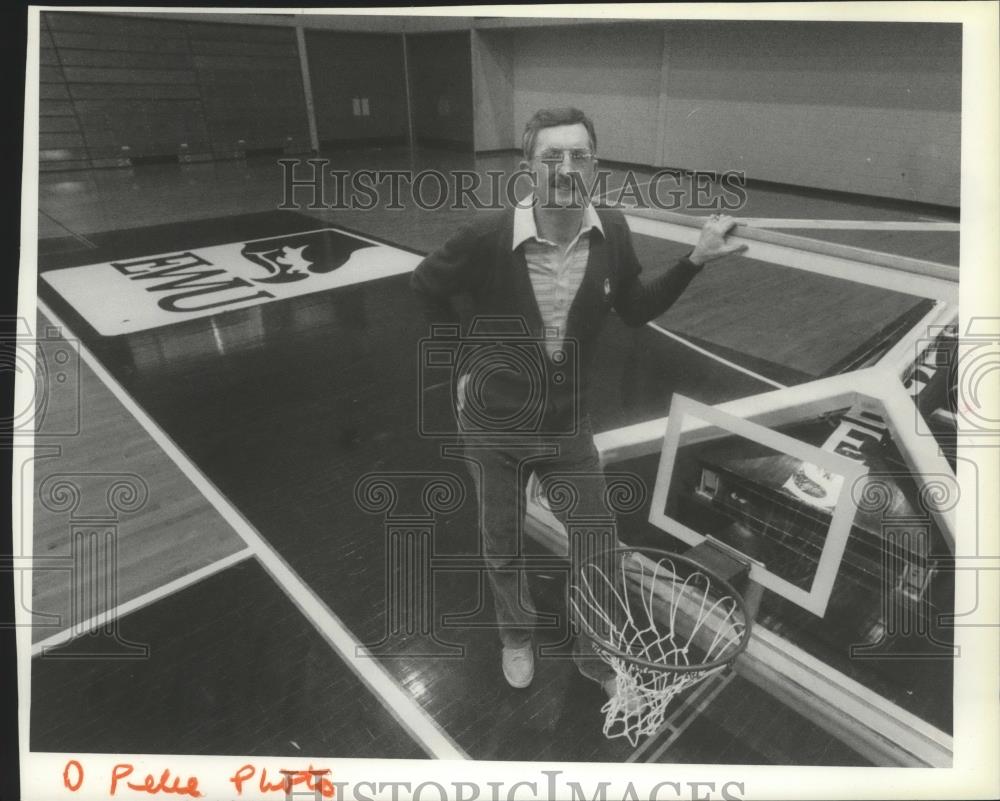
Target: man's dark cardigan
(479, 266)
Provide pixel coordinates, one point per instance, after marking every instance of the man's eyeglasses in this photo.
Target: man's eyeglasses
(578, 158)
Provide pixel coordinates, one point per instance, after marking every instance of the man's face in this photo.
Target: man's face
(559, 152)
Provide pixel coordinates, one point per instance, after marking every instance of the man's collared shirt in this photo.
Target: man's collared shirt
(556, 273)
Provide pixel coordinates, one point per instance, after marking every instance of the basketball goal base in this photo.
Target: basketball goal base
(731, 567)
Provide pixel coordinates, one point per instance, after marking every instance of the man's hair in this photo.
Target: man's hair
(550, 118)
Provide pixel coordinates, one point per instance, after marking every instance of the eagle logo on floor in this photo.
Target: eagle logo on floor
(292, 258)
(201, 281)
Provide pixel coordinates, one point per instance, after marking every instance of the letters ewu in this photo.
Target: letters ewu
(128, 295)
(188, 281)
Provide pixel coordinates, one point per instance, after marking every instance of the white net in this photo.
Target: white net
(653, 620)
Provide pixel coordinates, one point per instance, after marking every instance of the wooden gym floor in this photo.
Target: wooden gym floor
(249, 576)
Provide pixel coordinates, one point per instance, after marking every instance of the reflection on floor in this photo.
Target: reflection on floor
(284, 406)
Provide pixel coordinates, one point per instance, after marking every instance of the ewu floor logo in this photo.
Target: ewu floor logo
(121, 297)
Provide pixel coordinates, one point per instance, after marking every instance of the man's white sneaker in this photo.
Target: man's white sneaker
(518, 666)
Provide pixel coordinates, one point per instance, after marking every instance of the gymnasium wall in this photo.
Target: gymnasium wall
(859, 107)
(109, 82)
(360, 23)
(345, 66)
(493, 84)
(869, 108)
(163, 89)
(613, 73)
(441, 89)
(251, 87)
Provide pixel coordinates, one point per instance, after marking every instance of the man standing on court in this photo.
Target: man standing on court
(548, 271)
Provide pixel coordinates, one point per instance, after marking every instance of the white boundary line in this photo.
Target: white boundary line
(410, 715)
(846, 225)
(867, 713)
(140, 601)
(925, 286)
(718, 358)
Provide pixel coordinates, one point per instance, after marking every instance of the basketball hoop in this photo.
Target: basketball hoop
(663, 622)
